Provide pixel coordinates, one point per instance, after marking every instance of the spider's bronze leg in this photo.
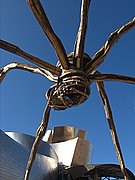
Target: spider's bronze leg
(111, 77)
(16, 50)
(99, 57)
(80, 39)
(42, 19)
(32, 69)
(39, 135)
(109, 117)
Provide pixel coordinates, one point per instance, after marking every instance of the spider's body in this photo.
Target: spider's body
(73, 73)
(72, 87)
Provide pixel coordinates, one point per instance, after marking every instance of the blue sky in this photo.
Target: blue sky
(22, 94)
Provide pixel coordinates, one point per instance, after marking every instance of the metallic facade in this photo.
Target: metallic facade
(65, 155)
(70, 141)
(65, 147)
(14, 157)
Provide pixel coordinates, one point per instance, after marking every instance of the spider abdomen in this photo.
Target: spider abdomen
(72, 89)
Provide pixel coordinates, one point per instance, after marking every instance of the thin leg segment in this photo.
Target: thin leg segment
(99, 57)
(111, 77)
(26, 67)
(16, 50)
(39, 135)
(42, 19)
(109, 117)
(80, 39)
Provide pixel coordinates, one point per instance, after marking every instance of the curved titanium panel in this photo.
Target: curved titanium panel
(14, 159)
(27, 141)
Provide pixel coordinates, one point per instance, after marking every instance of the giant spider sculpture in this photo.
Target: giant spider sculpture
(72, 75)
